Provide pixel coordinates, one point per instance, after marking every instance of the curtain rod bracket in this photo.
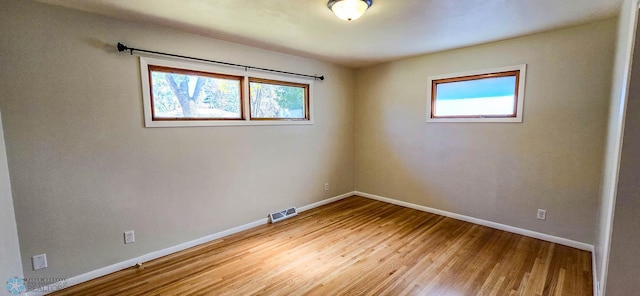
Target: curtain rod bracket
(121, 47)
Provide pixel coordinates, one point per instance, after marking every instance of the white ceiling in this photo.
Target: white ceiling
(389, 30)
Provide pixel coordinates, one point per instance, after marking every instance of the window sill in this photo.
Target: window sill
(486, 119)
(205, 123)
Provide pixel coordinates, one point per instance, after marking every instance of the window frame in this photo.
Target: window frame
(240, 79)
(519, 89)
(145, 78)
(304, 86)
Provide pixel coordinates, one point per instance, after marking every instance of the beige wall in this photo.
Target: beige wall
(84, 169)
(501, 172)
(622, 276)
(619, 92)
(10, 264)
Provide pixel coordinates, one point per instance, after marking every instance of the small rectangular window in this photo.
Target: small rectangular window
(489, 95)
(278, 100)
(180, 94)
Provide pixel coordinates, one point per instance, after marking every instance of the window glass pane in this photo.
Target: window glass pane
(271, 100)
(191, 95)
(495, 96)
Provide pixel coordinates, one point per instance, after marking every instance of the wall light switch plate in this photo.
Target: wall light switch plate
(39, 261)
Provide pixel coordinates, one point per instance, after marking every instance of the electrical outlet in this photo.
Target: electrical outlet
(326, 186)
(129, 237)
(542, 214)
(39, 261)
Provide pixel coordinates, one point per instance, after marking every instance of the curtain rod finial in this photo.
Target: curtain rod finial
(121, 47)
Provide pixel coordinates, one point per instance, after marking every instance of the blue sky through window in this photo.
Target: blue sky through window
(480, 88)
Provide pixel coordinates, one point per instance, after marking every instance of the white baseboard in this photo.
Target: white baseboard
(521, 231)
(177, 248)
(325, 201)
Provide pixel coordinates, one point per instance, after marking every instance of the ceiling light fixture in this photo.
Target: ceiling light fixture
(349, 10)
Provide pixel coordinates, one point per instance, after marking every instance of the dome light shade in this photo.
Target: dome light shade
(349, 10)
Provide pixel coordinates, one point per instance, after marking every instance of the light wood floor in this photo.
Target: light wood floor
(359, 246)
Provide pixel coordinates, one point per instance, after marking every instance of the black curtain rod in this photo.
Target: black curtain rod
(122, 47)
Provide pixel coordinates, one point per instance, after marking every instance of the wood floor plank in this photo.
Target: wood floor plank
(358, 246)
